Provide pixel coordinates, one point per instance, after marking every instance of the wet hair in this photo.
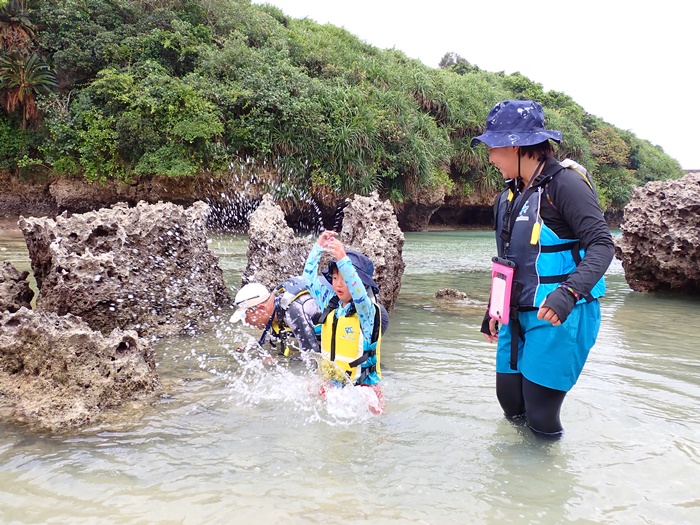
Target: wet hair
(540, 151)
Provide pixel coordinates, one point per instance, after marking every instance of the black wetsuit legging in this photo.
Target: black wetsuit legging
(540, 405)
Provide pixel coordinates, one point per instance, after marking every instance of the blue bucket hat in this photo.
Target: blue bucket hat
(363, 265)
(515, 123)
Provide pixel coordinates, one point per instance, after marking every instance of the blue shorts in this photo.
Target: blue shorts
(551, 356)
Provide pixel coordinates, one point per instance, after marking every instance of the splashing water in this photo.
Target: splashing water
(256, 378)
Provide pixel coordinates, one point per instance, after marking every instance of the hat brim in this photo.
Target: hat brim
(238, 316)
(366, 279)
(504, 139)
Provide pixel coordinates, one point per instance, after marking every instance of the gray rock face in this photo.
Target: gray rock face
(57, 373)
(660, 244)
(369, 226)
(14, 288)
(146, 268)
(274, 251)
(420, 206)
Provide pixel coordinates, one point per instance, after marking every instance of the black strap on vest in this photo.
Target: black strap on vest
(573, 245)
(514, 323)
(364, 357)
(335, 326)
(332, 305)
(364, 373)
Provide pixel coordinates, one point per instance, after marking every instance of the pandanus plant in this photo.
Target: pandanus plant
(16, 29)
(22, 79)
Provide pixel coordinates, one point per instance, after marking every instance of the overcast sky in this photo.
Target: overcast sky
(634, 64)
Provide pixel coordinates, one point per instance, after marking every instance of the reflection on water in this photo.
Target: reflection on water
(237, 438)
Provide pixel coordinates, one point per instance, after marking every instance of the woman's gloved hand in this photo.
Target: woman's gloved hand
(489, 327)
(557, 306)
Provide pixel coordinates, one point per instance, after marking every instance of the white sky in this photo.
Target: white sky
(635, 64)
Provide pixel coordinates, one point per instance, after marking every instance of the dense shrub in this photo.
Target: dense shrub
(181, 87)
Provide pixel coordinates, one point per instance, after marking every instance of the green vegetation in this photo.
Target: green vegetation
(126, 88)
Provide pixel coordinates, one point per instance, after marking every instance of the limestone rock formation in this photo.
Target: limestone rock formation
(14, 288)
(274, 251)
(232, 196)
(450, 293)
(660, 243)
(57, 373)
(370, 226)
(420, 206)
(146, 268)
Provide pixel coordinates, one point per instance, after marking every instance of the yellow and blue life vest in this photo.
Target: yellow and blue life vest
(344, 344)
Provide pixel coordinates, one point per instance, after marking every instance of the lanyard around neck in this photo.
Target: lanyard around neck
(515, 204)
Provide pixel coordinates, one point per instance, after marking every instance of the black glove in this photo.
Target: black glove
(485, 324)
(561, 301)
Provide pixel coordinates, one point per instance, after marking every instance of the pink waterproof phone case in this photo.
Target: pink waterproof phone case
(501, 285)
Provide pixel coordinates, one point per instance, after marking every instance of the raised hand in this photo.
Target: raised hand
(325, 238)
(336, 248)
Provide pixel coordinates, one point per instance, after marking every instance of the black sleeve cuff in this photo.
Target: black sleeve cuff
(485, 324)
(562, 302)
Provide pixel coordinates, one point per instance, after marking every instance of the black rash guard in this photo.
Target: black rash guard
(569, 207)
(301, 317)
(574, 213)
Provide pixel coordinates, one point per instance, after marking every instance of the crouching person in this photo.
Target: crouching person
(288, 314)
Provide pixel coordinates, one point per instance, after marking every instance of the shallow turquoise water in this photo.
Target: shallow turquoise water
(236, 441)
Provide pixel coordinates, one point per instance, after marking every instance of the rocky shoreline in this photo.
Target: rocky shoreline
(231, 198)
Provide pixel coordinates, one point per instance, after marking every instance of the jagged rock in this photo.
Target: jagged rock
(274, 251)
(660, 243)
(370, 226)
(465, 206)
(420, 206)
(14, 288)
(58, 373)
(450, 293)
(146, 268)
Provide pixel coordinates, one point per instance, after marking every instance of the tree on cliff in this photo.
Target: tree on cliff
(23, 74)
(22, 79)
(178, 87)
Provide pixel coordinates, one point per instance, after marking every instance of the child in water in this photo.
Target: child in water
(350, 319)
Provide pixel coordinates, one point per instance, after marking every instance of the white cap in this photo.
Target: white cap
(250, 295)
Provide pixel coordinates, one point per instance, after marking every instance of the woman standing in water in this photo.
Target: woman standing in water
(551, 232)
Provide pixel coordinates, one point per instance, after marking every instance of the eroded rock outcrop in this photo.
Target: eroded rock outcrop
(450, 293)
(420, 206)
(146, 268)
(370, 226)
(660, 243)
(274, 251)
(14, 288)
(58, 373)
